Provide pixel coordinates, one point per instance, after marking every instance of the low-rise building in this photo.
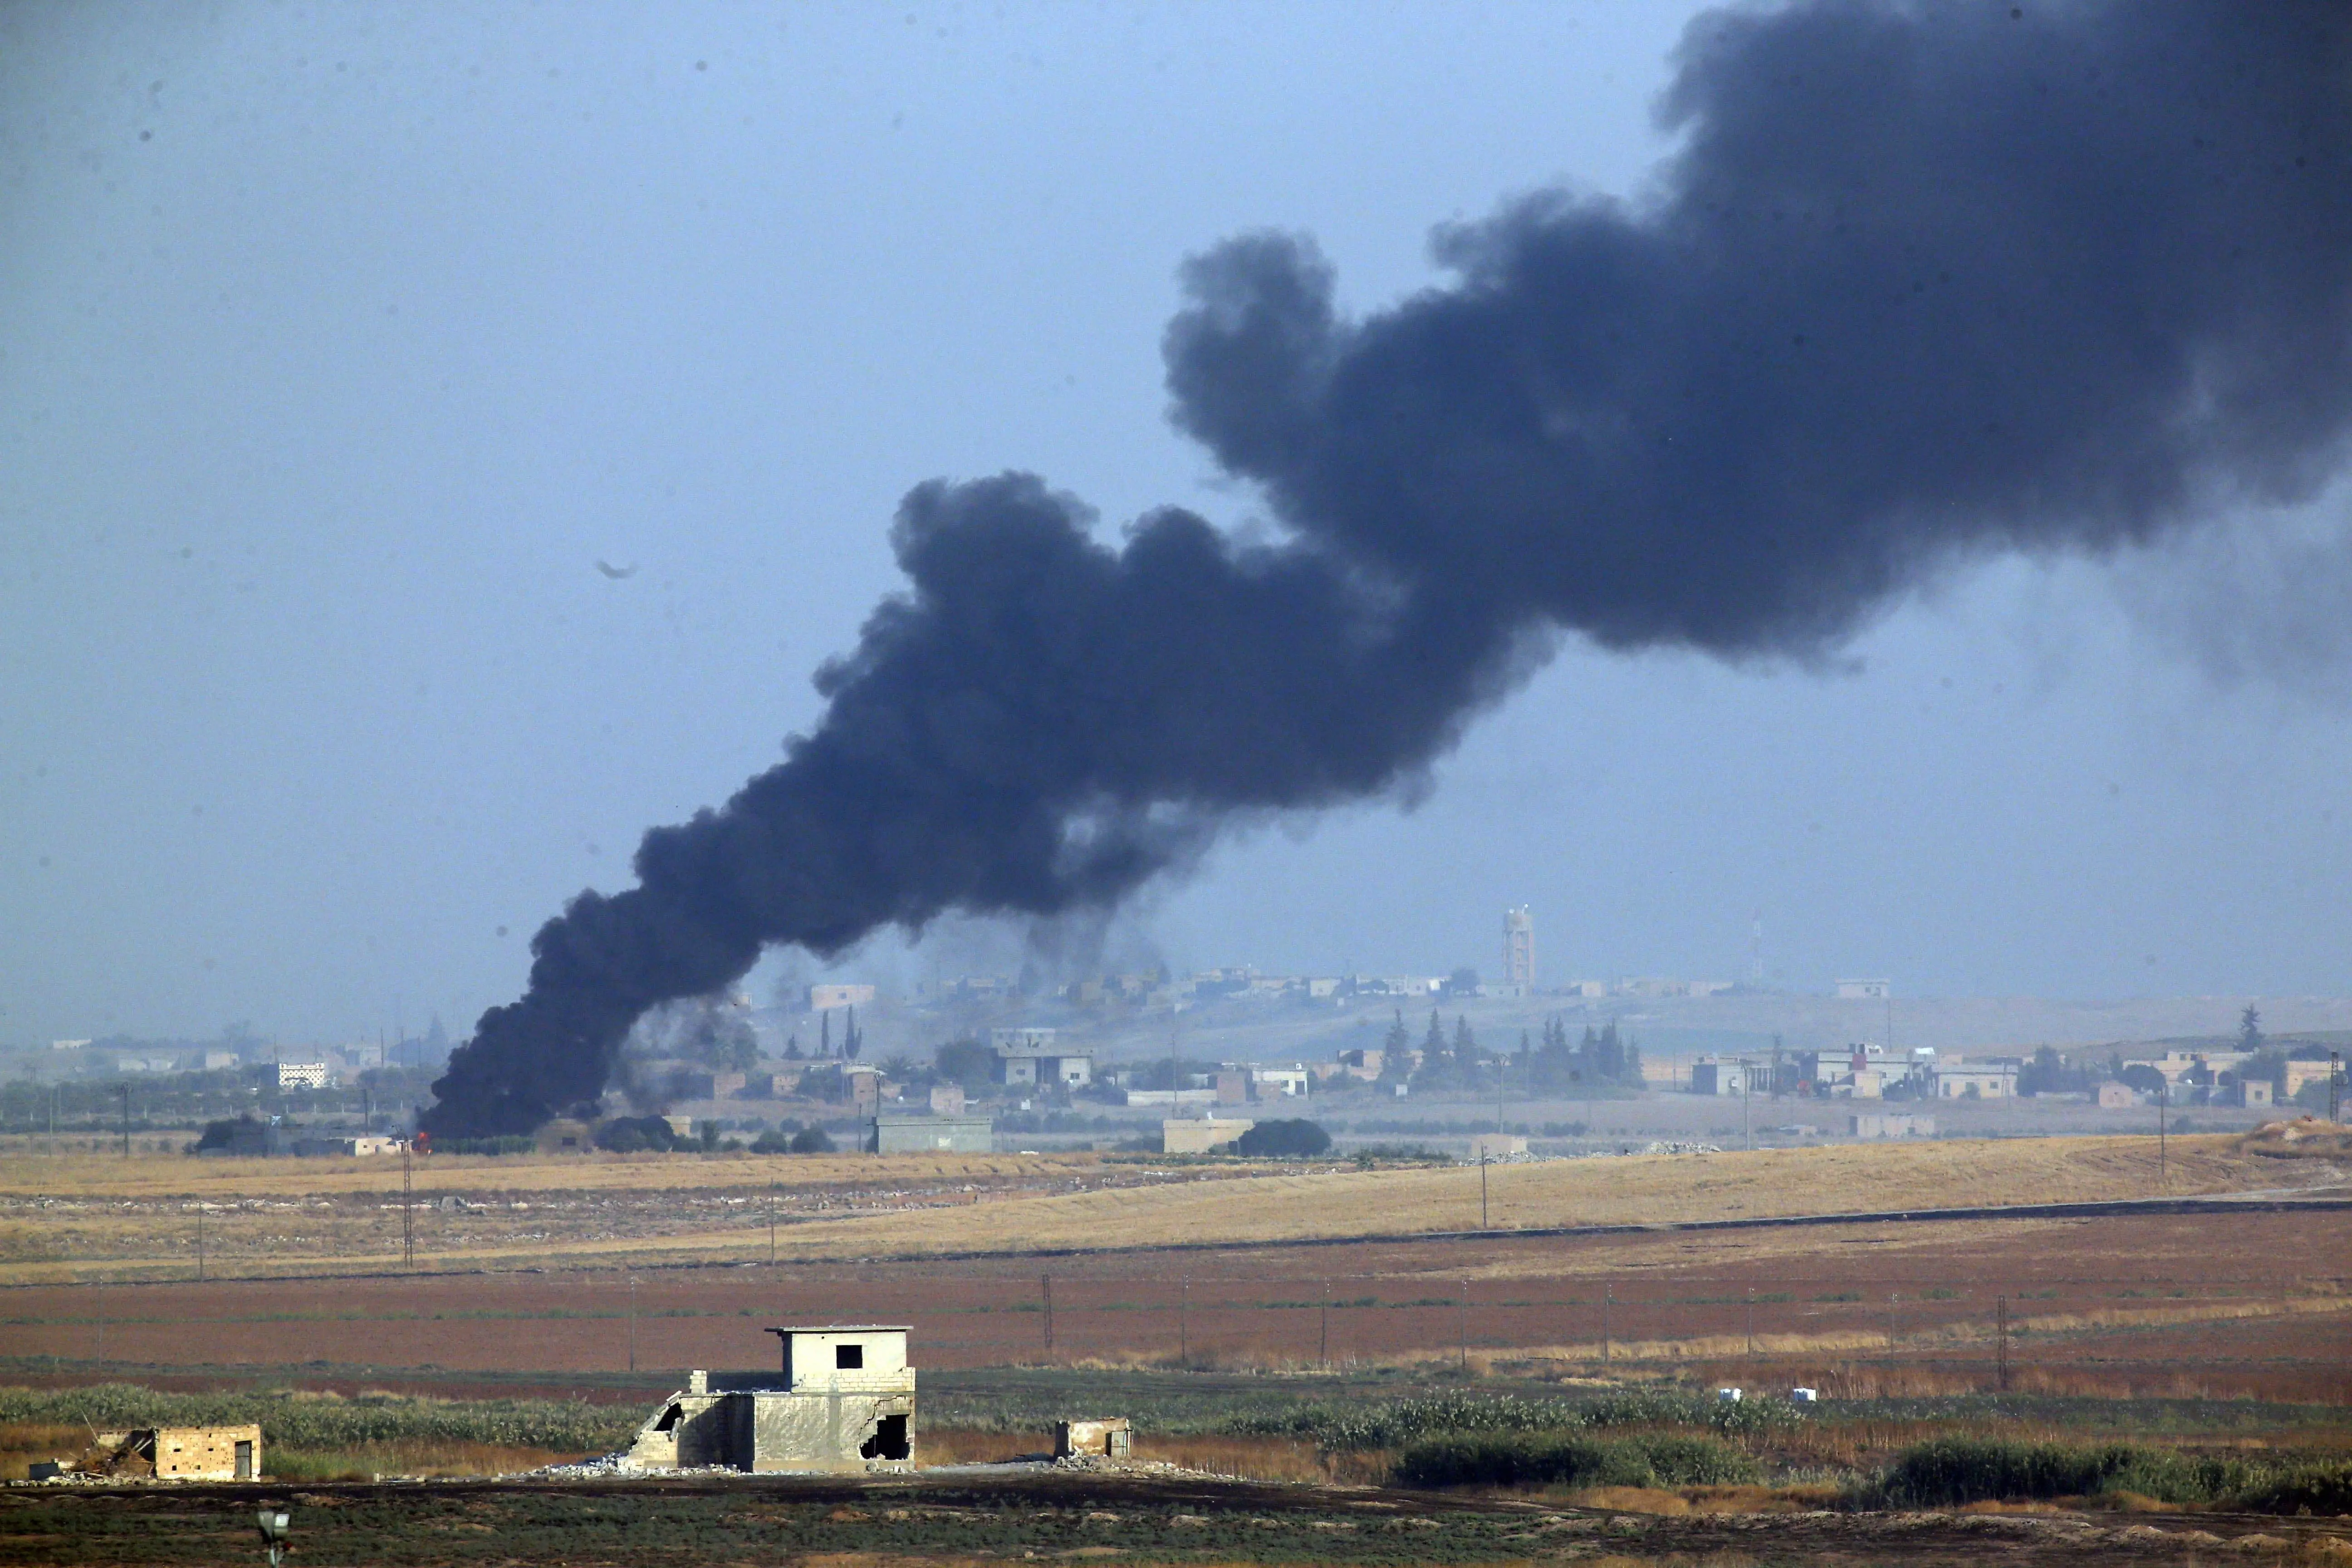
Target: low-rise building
(1974, 1080)
(842, 1403)
(1290, 1080)
(565, 1135)
(1034, 1057)
(1488, 1146)
(1719, 1078)
(302, 1075)
(825, 998)
(1201, 1135)
(1890, 1124)
(178, 1453)
(2297, 1075)
(2116, 1095)
(910, 1132)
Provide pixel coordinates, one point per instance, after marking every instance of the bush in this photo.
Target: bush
(1296, 1138)
(1551, 1459)
(810, 1140)
(2325, 1488)
(633, 1134)
(1978, 1469)
(1394, 1423)
(327, 1421)
(508, 1143)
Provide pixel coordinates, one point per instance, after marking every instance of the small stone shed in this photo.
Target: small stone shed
(843, 1401)
(1112, 1436)
(179, 1453)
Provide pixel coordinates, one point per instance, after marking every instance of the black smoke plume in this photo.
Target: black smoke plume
(1922, 281)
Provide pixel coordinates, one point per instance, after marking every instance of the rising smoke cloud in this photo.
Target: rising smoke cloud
(1922, 282)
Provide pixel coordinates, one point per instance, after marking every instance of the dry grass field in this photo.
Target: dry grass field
(75, 1218)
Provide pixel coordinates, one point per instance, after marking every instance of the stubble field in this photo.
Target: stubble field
(664, 1265)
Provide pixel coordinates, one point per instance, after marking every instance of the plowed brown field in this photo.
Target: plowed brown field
(2217, 1304)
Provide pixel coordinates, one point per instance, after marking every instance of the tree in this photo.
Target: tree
(793, 1047)
(1436, 1062)
(2250, 1028)
(968, 1061)
(1398, 1040)
(810, 1140)
(2045, 1074)
(1293, 1139)
(629, 1134)
(1465, 1046)
(852, 1041)
(824, 1034)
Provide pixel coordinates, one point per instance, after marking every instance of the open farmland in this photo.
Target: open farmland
(945, 1518)
(75, 1219)
(2228, 1303)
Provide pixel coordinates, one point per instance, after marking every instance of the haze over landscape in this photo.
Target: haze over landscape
(343, 349)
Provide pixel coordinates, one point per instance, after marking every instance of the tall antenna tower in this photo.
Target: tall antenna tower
(1756, 950)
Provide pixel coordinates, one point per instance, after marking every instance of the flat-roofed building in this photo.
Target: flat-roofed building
(843, 1401)
(1202, 1135)
(1034, 1057)
(910, 1132)
(1718, 1077)
(1974, 1080)
(1890, 1124)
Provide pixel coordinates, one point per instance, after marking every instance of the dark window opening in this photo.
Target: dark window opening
(245, 1461)
(888, 1442)
(668, 1421)
(848, 1358)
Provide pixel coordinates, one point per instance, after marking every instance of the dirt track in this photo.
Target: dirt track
(942, 1518)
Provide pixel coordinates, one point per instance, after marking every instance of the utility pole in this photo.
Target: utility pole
(200, 1246)
(632, 1322)
(1751, 1319)
(1462, 1321)
(1747, 1104)
(1608, 1300)
(2335, 1086)
(2163, 1101)
(407, 1212)
(1894, 1305)
(1323, 1339)
(1482, 1190)
(124, 1091)
(2001, 1319)
(772, 1236)
(1184, 1334)
(1046, 1282)
(101, 1318)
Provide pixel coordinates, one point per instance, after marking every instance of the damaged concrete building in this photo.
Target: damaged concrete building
(842, 1401)
(165, 1453)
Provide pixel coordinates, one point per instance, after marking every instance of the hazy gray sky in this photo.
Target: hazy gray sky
(339, 345)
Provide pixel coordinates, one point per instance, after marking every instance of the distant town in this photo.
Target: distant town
(1236, 1061)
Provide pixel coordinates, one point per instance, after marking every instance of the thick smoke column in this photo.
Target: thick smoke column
(1922, 282)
